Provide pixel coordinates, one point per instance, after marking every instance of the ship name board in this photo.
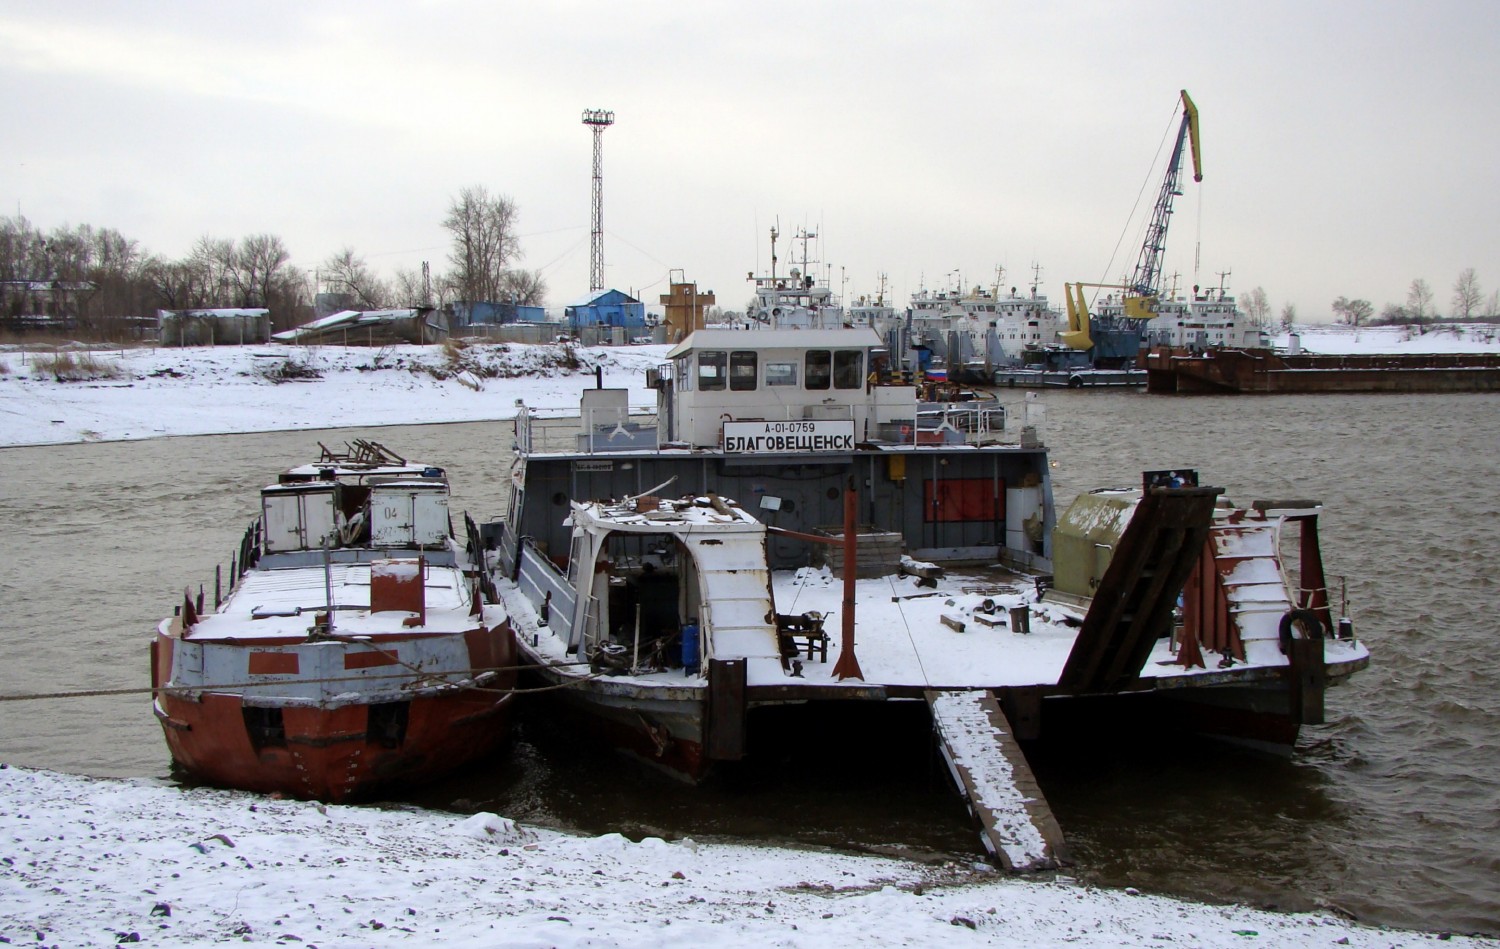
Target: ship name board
(750, 437)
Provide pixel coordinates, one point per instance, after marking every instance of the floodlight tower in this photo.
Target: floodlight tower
(598, 120)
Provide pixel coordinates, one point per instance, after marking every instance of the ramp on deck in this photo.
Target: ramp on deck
(1018, 828)
(1132, 607)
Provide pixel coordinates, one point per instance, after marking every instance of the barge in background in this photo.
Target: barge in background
(1265, 371)
(356, 649)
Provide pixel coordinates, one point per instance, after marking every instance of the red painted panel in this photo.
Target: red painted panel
(273, 663)
(367, 660)
(397, 586)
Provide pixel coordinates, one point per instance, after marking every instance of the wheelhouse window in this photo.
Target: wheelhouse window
(781, 373)
(819, 364)
(711, 370)
(743, 366)
(848, 369)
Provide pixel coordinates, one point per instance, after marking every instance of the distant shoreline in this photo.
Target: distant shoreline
(225, 390)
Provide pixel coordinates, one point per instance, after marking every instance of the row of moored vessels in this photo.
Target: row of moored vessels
(753, 540)
(987, 334)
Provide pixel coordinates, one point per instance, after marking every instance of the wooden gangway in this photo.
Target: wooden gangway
(977, 742)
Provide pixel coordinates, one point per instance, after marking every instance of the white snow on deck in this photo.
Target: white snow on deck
(906, 643)
(285, 590)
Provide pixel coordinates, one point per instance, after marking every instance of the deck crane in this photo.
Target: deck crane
(1117, 340)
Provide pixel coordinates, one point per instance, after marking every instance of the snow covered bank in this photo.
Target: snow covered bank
(1337, 339)
(149, 392)
(89, 862)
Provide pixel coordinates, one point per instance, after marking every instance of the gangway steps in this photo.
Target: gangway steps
(977, 742)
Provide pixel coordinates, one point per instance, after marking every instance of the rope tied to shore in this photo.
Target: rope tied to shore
(236, 686)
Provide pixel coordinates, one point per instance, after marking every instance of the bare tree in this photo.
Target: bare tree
(261, 262)
(409, 289)
(213, 259)
(523, 287)
(1419, 300)
(484, 242)
(19, 251)
(118, 270)
(130, 282)
(1258, 306)
(175, 283)
(348, 271)
(1466, 295)
(1395, 313)
(290, 299)
(1353, 312)
(69, 254)
(1288, 316)
(1492, 305)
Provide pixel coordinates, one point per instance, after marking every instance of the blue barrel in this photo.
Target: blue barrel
(690, 646)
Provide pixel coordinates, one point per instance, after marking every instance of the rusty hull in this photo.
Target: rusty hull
(1263, 371)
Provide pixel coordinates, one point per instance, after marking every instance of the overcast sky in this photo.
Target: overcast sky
(1348, 147)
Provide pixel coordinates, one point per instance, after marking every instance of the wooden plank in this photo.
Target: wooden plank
(1016, 824)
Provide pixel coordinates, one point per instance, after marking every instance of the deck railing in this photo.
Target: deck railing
(547, 589)
(593, 431)
(600, 431)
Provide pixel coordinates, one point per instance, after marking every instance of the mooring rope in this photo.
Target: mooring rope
(906, 625)
(233, 686)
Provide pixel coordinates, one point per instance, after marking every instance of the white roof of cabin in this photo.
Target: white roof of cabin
(777, 339)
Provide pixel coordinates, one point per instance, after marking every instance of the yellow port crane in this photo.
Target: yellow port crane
(1077, 335)
(1141, 293)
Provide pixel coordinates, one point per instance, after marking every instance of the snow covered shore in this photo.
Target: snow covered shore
(150, 392)
(93, 862)
(1339, 339)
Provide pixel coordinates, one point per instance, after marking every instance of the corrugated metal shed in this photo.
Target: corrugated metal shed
(420, 325)
(230, 326)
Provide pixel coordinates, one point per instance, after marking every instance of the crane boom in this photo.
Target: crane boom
(1148, 265)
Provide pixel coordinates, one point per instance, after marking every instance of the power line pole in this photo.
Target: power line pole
(598, 120)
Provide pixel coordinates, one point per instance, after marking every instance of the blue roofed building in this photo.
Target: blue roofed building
(488, 313)
(606, 308)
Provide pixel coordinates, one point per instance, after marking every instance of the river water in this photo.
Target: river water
(1390, 812)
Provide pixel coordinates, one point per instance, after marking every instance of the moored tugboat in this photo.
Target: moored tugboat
(357, 649)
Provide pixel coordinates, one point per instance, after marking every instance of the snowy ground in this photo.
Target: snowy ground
(150, 392)
(1337, 339)
(90, 862)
